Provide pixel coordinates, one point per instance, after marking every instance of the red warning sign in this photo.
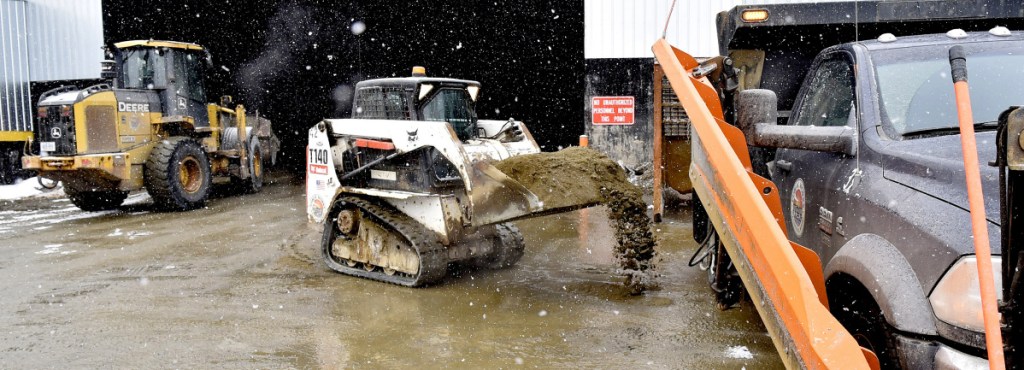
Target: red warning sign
(612, 110)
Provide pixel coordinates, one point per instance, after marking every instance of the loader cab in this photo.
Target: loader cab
(176, 71)
(420, 98)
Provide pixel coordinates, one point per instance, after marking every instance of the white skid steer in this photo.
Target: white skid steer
(406, 186)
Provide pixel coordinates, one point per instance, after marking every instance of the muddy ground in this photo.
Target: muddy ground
(239, 284)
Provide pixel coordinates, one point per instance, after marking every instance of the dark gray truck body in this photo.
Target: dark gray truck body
(889, 217)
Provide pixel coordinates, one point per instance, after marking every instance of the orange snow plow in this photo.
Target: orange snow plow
(784, 279)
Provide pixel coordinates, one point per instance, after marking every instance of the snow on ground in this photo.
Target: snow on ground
(28, 188)
(740, 352)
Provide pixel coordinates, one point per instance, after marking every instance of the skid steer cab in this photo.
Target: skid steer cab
(151, 128)
(406, 186)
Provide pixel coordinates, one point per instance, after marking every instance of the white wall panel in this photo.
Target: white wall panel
(66, 39)
(14, 70)
(628, 28)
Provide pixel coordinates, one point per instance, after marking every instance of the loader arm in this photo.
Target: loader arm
(783, 278)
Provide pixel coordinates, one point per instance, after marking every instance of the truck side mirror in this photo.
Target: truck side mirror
(757, 115)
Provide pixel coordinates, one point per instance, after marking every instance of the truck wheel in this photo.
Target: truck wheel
(177, 174)
(722, 275)
(256, 170)
(508, 247)
(6, 169)
(96, 200)
(857, 311)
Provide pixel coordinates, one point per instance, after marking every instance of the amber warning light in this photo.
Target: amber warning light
(754, 15)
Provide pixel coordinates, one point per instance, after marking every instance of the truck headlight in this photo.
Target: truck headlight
(957, 298)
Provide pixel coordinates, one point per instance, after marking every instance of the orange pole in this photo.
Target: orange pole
(659, 143)
(982, 249)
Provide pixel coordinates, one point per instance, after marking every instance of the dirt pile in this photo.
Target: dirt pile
(584, 176)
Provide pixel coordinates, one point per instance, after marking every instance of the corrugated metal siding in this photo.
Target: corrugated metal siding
(67, 39)
(628, 28)
(14, 70)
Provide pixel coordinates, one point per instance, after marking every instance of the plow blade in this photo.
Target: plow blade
(783, 278)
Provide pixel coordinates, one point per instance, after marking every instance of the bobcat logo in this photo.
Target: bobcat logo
(413, 134)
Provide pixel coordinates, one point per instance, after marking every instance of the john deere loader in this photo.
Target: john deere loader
(150, 128)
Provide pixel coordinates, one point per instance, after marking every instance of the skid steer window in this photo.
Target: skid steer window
(382, 103)
(452, 106)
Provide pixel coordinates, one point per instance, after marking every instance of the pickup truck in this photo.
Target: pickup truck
(866, 155)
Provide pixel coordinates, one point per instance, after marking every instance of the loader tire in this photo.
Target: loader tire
(254, 183)
(508, 247)
(177, 174)
(96, 200)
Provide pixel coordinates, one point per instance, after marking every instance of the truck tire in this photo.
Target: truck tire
(256, 170)
(856, 310)
(177, 174)
(722, 275)
(6, 168)
(96, 200)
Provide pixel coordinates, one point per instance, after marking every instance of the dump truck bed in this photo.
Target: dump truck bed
(793, 34)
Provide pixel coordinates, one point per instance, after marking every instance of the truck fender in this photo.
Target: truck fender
(882, 269)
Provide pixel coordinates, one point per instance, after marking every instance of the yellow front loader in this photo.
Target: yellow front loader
(151, 128)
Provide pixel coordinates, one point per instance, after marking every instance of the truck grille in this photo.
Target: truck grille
(56, 133)
(101, 137)
(674, 120)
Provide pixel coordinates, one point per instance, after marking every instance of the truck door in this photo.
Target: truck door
(807, 179)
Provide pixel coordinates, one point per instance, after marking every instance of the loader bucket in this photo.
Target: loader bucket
(498, 198)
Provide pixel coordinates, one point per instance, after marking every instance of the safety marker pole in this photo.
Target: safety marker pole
(982, 251)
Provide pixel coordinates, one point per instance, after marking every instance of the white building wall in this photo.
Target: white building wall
(65, 39)
(14, 69)
(628, 28)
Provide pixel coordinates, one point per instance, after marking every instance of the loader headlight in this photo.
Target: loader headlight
(754, 15)
(957, 297)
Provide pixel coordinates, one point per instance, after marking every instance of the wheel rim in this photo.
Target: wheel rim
(347, 221)
(257, 164)
(190, 175)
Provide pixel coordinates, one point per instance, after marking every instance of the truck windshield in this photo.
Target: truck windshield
(142, 69)
(916, 90)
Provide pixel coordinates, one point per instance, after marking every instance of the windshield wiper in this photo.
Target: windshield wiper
(980, 126)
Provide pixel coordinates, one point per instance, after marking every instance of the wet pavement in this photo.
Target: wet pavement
(240, 284)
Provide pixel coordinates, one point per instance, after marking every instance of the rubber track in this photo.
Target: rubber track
(512, 241)
(432, 254)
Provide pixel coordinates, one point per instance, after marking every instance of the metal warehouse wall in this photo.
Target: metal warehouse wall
(14, 71)
(628, 28)
(66, 39)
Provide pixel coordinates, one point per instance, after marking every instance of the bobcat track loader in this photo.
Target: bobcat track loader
(405, 186)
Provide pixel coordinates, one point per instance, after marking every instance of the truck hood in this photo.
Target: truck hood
(935, 166)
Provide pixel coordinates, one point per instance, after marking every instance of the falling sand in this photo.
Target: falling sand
(577, 176)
